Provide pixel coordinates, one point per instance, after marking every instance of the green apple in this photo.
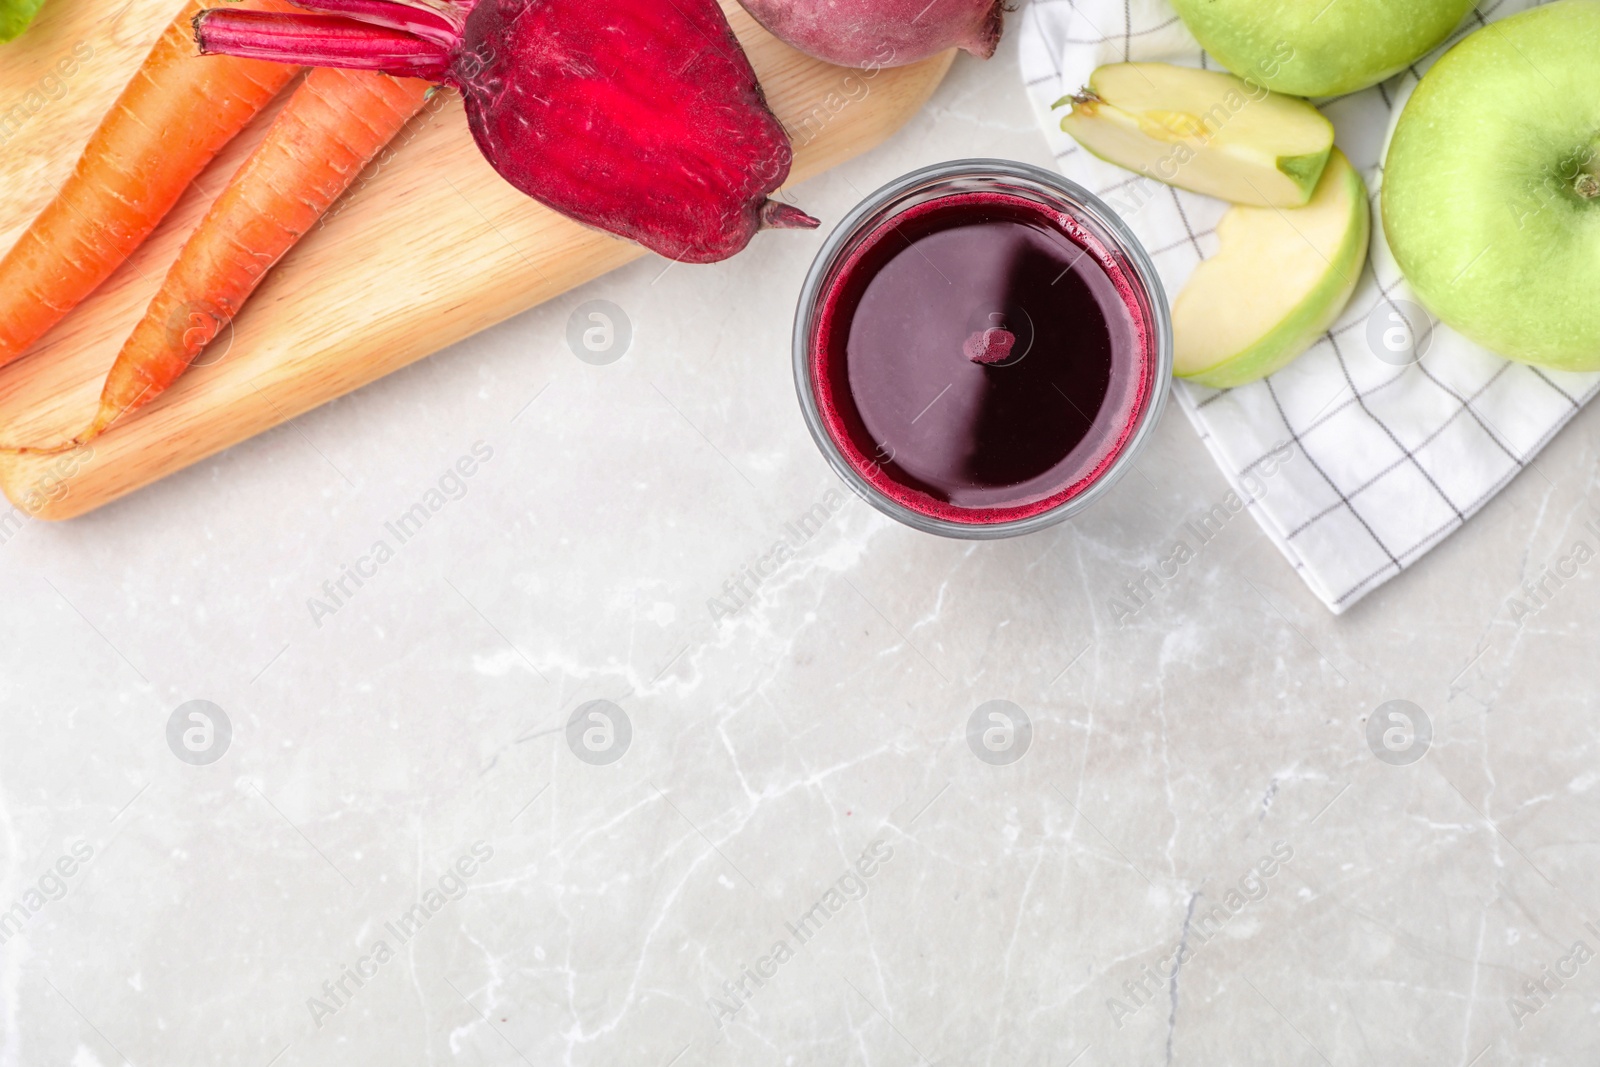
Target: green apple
(1279, 279)
(1491, 199)
(1320, 47)
(1203, 131)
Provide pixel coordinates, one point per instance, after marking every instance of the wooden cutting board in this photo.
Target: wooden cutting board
(428, 248)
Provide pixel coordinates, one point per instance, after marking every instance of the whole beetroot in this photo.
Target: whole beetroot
(881, 33)
(640, 117)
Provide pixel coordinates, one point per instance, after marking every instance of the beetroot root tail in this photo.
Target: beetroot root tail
(776, 215)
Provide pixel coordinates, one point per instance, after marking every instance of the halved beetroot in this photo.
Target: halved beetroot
(640, 117)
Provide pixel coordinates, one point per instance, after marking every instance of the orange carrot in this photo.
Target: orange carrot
(176, 114)
(332, 126)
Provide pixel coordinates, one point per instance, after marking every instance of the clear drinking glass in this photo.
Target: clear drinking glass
(1057, 195)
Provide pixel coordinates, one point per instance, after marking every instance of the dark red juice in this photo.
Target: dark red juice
(981, 358)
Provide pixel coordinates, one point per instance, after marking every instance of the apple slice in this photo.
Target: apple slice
(1203, 131)
(1280, 278)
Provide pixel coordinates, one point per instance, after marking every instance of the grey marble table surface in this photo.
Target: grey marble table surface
(769, 835)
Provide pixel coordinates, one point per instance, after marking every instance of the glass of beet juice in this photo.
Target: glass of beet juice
(981, 348)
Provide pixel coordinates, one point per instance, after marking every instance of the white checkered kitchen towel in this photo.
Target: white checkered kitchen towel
(1389, 457)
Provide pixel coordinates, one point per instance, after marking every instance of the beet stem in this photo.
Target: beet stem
(776, 215)
(320, 41)
(442, 23)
